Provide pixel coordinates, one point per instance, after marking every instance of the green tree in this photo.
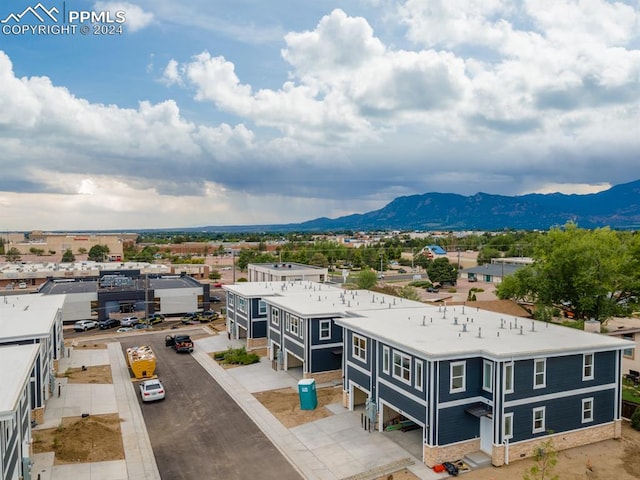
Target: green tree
(68, 256)
(215, 275)
(98, 253)
(319, 260)
(441, 270)
(487, 253)
(545, 458)
(594, 272)
(13, 255)
(408, 292)
(82, 251)
(36, 251)
(367, 279)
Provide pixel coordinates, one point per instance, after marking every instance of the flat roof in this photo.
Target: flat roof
(28, 316)
(17, 363)
(79, 285)
(287, 266)
(458, 331)
(336, 302)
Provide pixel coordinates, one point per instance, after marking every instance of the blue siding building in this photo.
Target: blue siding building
(474, 380)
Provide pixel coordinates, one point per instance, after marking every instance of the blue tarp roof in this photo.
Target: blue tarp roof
(437, 250)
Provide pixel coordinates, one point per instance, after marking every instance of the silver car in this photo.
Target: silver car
(129, 322)
(84, 325)
(151, 390)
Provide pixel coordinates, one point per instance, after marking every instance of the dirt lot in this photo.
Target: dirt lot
(96, 438)
(95, 374)
(284, 404)
(611, 459)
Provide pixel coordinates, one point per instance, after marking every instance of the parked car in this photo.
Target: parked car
(215, 299)
(141, 326)
(108, 323)
(190, 317)
(124, 329)
(402, 270)
(432, 290)
(22, 285)
(129, 321)
(84, 325)
(155, 318)
(208, 316)
(180, 343)
(217, 285)
(151, 390)
(473, 279)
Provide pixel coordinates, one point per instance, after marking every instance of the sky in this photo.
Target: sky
(164, 114)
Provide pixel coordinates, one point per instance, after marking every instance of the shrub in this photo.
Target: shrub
(240, 356)
(635, 419)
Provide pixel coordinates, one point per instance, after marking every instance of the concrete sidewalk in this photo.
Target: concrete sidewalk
(332, 448)
(72, 400)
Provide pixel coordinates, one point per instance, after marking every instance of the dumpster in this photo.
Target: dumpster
(308, 396)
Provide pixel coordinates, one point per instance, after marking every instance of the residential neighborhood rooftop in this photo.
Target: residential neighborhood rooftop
(28, 316)
(442, 332)
(17, 363)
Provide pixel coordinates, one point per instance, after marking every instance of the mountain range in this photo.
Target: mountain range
(618, 208)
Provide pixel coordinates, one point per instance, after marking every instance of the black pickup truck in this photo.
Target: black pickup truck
(180, 343)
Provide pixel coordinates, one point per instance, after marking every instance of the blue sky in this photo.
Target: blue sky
(252, 112)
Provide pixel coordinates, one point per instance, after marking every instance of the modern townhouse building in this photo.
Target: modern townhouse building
(473, 380)
(35, 320)
(18, 364)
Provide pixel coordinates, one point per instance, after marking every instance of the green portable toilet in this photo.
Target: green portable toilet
(308, 396)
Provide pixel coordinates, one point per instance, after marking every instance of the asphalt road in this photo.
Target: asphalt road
(198, 431)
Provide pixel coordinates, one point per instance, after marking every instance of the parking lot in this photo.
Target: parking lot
(199, 431)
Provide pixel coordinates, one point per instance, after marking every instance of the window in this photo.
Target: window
(386, 360)
(275, 316)
(587, 410)
(508, 378)
(359, 349)
(457, 376)
(230, 299)
(540, 373)
(295, 325)
(418, 375)
(325, 329)
(628, 352)
(587, 366)
(507, 425)
(402, 367)
(242, 304)
(487, 376)
(538, 419)
(287, 322)
(262, 307)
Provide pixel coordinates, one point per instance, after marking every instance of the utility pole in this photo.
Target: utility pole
(233, 256)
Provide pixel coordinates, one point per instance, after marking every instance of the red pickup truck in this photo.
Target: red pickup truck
(180, 343)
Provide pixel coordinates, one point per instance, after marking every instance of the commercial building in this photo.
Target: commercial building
(283, 272)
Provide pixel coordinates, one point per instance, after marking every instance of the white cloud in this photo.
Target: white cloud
(491, 96)
(136, 17)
